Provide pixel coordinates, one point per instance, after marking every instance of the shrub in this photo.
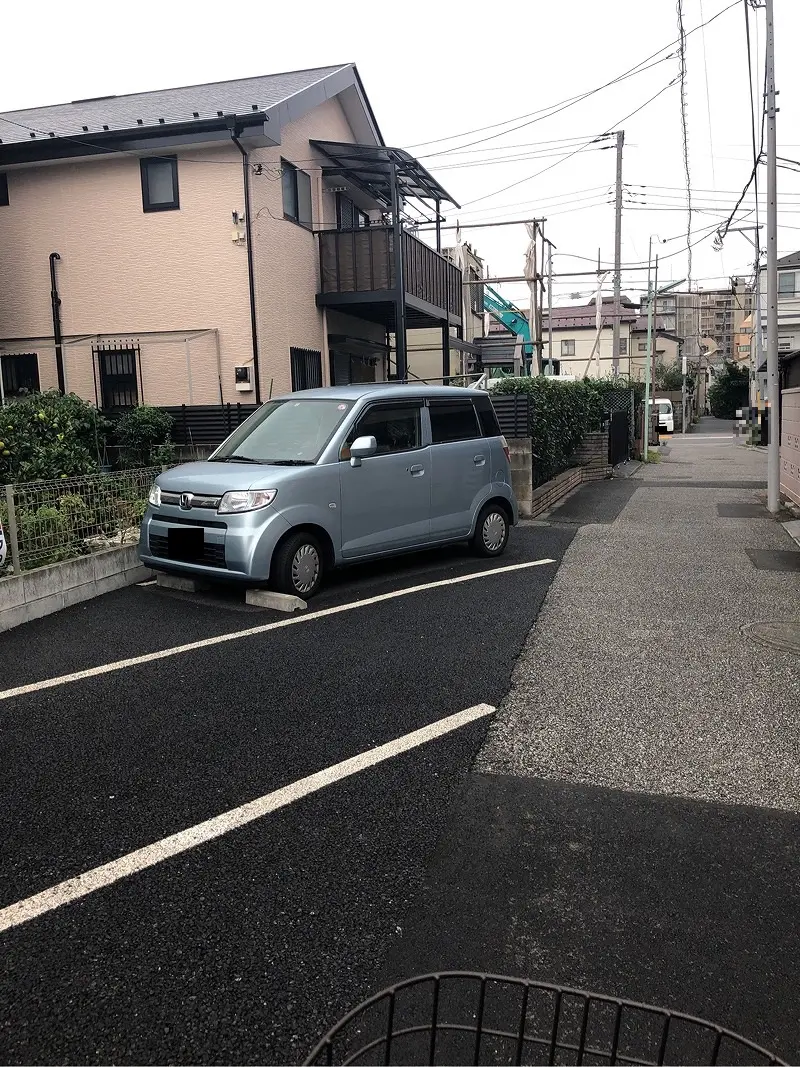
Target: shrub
(143, 435)
(730, 391)
(563, 413)
(47, 436)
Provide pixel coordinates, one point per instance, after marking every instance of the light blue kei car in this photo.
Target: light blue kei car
(326, 477)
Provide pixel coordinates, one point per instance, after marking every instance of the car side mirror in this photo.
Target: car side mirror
(362, 448)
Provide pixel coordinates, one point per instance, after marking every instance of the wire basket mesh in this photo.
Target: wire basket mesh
(470, 1018)
(61, 519)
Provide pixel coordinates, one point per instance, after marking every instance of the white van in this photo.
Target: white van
(666, 419)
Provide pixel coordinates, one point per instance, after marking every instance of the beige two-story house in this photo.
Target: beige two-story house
(212, 243)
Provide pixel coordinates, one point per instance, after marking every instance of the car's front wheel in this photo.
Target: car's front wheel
(491, 531)
(297, 566)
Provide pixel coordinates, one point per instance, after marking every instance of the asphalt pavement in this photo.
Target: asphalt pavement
(632, 821)
(245, 948)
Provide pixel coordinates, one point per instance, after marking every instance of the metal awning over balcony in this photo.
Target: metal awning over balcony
(382, 273)
(370, 167)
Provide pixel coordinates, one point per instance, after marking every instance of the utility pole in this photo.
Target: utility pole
(617, 254)
(652, 291)
(773, 394)
(550, 247)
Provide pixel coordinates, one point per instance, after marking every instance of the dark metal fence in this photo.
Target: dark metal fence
(206, 425)
(513, 412)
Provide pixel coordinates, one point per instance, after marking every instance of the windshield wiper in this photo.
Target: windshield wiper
(238, 459)
(289, 462)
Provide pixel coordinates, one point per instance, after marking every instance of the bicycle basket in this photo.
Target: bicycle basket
(462, 1017)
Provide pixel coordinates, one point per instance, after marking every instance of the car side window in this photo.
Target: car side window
(453, 420)
(396, 428)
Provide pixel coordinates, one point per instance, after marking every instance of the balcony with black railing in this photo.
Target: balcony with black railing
(358, 274)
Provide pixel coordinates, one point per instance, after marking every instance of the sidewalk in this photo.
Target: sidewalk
(632, 826)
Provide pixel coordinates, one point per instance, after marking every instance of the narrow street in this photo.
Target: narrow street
(627, 822)
(631, 825)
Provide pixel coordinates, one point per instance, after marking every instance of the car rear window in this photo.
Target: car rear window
(487, 416)
(453, 420)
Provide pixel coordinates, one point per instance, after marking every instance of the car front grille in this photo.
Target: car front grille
(213, 553)
(193, 500)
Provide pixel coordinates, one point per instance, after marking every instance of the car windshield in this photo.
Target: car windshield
(664, 407)
(285, 432)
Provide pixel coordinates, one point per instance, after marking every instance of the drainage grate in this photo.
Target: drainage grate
(741, 511)
(769, 560)
(783, 635)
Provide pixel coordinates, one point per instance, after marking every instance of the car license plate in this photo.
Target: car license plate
(185, 544)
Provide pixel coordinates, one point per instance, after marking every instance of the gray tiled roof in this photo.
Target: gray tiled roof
(792, 260)
(240, 97)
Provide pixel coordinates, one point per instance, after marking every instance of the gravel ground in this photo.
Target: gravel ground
(650, 684)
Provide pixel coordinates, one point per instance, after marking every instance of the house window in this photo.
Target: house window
(20, 374)
(306, 366)
(786, 284)
(567, 348)
(743, 348)
(642, 346)
(296, 186)
(160, 184)
(475, 293)
(3, 190)
(119, 388)
(623, 346)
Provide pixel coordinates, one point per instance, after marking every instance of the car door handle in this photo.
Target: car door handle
(479, 461)
(416, 471)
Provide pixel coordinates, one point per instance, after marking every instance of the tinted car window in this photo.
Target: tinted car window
(453, 420)
(487, 416)
(396, 427)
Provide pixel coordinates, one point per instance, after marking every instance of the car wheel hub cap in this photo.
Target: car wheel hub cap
(305, 568)
(494, 530)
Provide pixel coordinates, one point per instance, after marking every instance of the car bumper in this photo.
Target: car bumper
(234, 547)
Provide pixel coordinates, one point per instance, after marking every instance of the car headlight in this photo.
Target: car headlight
(155, 495)
(246, 500)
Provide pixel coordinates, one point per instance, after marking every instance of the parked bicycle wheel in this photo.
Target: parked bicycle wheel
(462, 1017)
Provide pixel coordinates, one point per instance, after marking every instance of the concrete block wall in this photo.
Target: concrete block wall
(522, 473)
(39, 592)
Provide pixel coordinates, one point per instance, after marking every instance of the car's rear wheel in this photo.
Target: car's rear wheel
(297, 566)
(491, 531)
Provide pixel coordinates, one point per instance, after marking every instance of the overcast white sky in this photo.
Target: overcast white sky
(443, 69)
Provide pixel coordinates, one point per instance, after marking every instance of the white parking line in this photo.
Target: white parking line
(99, 877)
(220, 639)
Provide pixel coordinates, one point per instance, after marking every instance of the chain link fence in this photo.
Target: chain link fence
(48, 522)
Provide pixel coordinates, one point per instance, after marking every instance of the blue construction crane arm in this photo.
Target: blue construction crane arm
(504, 311)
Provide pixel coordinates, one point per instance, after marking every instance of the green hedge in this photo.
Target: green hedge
(562, 414)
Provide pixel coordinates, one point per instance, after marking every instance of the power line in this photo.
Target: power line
(574, 99)
(538, 174)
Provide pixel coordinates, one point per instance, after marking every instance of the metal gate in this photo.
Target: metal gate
(618, 437)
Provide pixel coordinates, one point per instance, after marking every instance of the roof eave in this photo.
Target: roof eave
(140, 138)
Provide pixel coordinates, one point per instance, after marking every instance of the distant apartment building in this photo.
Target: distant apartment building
(722, 313)
(680, 314)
